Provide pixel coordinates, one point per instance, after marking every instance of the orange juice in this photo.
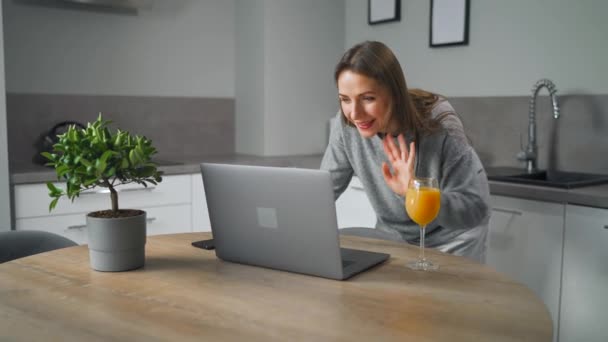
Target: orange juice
(422, 205)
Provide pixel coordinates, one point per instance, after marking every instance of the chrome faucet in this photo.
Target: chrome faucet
(530, 154)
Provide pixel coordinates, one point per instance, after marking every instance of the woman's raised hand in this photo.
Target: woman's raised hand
(402, 163)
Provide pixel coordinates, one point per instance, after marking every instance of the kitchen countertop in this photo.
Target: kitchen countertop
(593, 196)
(24, 173)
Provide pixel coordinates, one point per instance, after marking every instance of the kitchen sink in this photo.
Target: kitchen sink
(556, 179)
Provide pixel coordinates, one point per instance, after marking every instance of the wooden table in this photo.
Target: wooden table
(185, 293)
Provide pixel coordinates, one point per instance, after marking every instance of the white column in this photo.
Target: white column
(286, 51)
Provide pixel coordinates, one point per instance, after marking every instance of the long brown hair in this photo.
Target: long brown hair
(411, 109)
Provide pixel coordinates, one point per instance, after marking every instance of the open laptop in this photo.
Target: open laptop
(280, 218)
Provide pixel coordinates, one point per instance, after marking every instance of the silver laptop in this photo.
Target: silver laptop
(280, 218)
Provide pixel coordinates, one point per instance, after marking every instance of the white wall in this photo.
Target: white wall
(249, 80)
(290, 72)
(5, 198)
(512, 44)
(172, 48)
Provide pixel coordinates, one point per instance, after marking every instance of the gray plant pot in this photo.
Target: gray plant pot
(117, 244)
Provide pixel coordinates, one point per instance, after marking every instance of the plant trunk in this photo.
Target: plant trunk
(114, 197)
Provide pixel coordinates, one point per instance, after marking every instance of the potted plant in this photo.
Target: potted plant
(94, 157)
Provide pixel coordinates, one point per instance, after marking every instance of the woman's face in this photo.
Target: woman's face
(364, 102)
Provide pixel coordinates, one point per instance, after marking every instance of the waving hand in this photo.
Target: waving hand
(402, 163)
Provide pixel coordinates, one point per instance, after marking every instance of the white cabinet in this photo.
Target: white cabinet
(71, 226)
(32, 200)
(200, 215)
(168, 207)
(353, 208)
(584, 305)
(525, 242)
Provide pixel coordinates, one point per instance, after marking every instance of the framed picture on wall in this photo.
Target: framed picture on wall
(383, 11)
(449, 23)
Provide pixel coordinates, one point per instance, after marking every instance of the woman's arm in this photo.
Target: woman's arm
(335, 160)
(465, 195)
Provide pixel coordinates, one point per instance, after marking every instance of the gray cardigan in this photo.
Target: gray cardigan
(462, 224)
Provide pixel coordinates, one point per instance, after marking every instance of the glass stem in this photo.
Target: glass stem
(422, 243)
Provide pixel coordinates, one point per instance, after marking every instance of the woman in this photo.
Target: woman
(387, 134)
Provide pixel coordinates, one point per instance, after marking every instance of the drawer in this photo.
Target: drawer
(169, 219)
(160, 220)
(32, 200)
(72, 226)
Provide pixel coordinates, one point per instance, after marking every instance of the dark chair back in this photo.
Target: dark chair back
(16, 244)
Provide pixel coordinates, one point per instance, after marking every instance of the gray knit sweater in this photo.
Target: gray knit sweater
(462, 224)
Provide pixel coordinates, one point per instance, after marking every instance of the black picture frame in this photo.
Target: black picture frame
(383, 11)
(449, 23)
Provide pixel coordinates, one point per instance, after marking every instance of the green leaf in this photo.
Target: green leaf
(147, 171)
(49, 156)
(72, 135)
(118, 139)
(109, 173)
(81, 170)
(106, 155)
(62, 170)
(89, 181)
(85, 162)
(100, 167)
(53, 204)
(52, 188)
(133, 157)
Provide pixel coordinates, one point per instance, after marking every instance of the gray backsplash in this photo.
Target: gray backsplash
(178, 126)
(191, 127)
(577, 141)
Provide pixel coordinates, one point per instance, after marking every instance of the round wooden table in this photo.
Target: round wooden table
(185, 293)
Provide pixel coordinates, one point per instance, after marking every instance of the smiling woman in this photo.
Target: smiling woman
(388, 135)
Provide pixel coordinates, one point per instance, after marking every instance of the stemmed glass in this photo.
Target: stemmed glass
(422, 202)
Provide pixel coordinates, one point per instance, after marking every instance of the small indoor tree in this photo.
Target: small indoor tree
(94, 157)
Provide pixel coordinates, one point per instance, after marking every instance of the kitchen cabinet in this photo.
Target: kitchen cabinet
(525, 242)
(168, 206)
(200, 215)
(160, 220)
(584, 304)
(353, 208)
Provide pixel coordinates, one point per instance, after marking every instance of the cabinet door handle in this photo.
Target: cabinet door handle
(150, 219)
(95, 192)
(149, 188)
(357, 187)
(508, 211)
(606, 226)
(78, 226)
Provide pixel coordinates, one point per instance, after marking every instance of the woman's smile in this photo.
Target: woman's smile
(364, 124)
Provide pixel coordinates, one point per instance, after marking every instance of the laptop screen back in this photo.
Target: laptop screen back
(282, 218)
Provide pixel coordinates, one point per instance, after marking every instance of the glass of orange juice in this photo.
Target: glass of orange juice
(422, 202)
